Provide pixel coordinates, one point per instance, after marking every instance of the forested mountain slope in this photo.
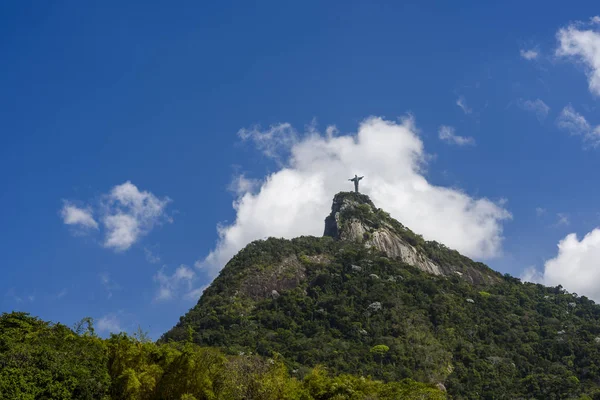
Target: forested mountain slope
(371, 297)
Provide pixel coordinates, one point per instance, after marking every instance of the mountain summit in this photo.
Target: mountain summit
(355, 218)
(371, 297)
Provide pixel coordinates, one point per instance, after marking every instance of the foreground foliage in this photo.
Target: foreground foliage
(40, 360)
(319, 301)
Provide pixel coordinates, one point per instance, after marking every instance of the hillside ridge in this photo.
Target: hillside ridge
(370, 297)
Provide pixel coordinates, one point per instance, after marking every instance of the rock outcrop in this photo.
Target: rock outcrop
(354, 217)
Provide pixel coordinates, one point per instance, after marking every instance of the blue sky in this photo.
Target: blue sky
(127, 132)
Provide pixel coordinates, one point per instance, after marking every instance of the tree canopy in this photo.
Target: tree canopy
(41, 360)
(338, 303)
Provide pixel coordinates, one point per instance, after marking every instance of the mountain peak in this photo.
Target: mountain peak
(347, 203)
(354, 217)
(330, 300)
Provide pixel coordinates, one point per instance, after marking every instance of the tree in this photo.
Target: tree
(380, 351)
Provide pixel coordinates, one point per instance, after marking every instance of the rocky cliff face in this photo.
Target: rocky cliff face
(354, 217)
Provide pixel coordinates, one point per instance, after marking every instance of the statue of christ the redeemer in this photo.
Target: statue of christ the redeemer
(355, 180)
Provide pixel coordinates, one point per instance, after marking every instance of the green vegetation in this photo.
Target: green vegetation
(40, 360)
(321, 318)
(356, 311)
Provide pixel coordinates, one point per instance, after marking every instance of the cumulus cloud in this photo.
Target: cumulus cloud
(273, 141)
(530, 54)
(531, 274)
(126, 215)
(582, 45)
(537, 106)
(176, 284)
(73, 215)
(295, 199)
(447, 134)
(575, 267)
(462, 103)
(130, 214)
(576, 124)
(240, 184)
(109, 323)
(122, 231)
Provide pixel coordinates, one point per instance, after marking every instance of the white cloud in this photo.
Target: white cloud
(171, 286)
(539, 211)
(575, 267)
(195, 293)
(595, 20)
(583, 46)
(576, 124)
(529, 54)
(294, 200)
(531, 274)
(150, 256)
(563, 219)
(572, 121)
(240, 184)
(537, 106)
(446, 133)
(61, 294)
(73, 215)
(123, 231)
(271, 141)
(109, 323)
(130, 214)
(462, 103)
(126, 214)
